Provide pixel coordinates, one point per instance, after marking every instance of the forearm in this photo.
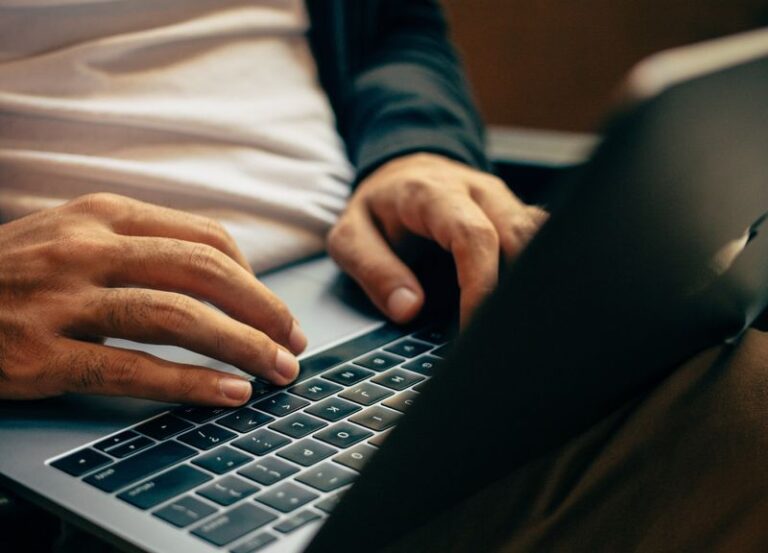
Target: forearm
(409, 94)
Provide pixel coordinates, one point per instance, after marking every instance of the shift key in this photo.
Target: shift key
(233, 524)
(139, 466)
(164, 486)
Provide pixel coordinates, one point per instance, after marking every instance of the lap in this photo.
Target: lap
(681, 469)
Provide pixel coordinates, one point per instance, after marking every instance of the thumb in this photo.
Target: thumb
(357, 245)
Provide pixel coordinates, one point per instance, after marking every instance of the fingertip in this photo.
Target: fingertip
(286, 367)
(297, 341)
(236, 390)
(403, 304)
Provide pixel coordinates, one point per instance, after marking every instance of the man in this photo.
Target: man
(214, 107)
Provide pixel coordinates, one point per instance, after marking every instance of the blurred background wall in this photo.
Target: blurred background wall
(554, 64)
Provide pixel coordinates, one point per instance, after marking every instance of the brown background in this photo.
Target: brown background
(554, 63)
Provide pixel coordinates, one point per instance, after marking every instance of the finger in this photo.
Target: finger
(136, 218)
(151, 316)
(459, 225)
(515, 222)
(356, 244)
(204, 272)
(96, 369)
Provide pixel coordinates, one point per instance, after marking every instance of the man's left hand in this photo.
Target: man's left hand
(469, 213)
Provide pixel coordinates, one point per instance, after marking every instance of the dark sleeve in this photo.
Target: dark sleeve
(408, 93)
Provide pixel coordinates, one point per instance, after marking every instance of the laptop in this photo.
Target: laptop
(655, 249)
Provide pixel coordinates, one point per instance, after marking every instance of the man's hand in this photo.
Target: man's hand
(107, 266)
(471, 214)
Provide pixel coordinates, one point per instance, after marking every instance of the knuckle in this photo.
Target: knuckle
(524, 228)
(217, 231)
(184, 386)
(206, 260)
(417, 189)
(84, 370)
(74, 244)
(119, 314)
(255, 345)
(475, 231)
(280, 321)
(538, 215)
(490, 188)
(98, 203)
(175, 314)
(342, 234)
(124, 371)
(492, 181)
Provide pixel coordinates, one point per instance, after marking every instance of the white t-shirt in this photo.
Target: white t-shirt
(212, 106)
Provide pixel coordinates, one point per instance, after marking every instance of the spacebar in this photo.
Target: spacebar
(143, 464)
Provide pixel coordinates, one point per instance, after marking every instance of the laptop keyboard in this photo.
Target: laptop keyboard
(241, 478)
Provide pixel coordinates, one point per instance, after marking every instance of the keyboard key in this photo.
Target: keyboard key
(401, 402)
(281, 404)
(163, 427)
(435, 335)
(267, 471)
(365, 393)
(398, 379)
(134, 446)
(326, 477)
(259, 389)
(244, 420)
(286, 497)
(355, 347)
(116, 440)
(343, 434)
(199, 415)
(419, 387)
(333, 409)
(228, 490)
(298, 425)
(426, 364)
(306, 452)
(443, 351)
(207, 436)
(261, 442)
(329, 503)
(233, 524)
(408, 348)
(164, 486)
(140, 466)
(378, 439)
(356, 457)
(254, 543)
(379, 361)
(297, 521)
(185, 511)
(222, 460)
(348, 375)
(315, 389)
(377, 418)
(81, 462)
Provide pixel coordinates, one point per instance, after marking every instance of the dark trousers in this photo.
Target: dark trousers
(683, 469)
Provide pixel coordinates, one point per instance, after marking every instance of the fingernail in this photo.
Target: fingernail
(401, 303)
(235, 389)
(297, 340)
(286, 364)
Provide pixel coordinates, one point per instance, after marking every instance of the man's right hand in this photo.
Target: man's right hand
(108, 266)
